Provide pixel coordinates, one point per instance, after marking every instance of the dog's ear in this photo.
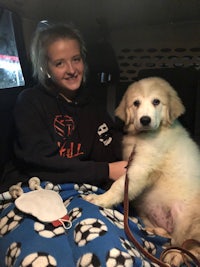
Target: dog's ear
(120, 111)
(175, 106)
(124, 112)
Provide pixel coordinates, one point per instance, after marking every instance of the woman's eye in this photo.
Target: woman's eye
(77, 59)
(156, 102)
(57, 64)
(136, 103)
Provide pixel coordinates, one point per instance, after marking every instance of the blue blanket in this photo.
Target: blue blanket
(96, 237)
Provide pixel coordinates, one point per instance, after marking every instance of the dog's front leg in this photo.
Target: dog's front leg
(138, 181)
(111, 197)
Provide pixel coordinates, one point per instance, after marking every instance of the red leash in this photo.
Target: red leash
(183, 251)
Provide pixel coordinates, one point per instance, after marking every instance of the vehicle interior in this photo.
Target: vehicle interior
(126, 41)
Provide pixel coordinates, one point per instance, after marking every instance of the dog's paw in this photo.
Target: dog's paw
(177, 257)
(89, 197)
(173, 258)
(158, 231)
(96, 199)
(16, 190)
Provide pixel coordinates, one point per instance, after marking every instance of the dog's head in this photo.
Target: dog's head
(149, 104)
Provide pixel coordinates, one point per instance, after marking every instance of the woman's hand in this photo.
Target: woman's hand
(117, 169)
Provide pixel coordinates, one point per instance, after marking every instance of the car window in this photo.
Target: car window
(10, 69)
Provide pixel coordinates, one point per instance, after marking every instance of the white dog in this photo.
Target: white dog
(164, 176)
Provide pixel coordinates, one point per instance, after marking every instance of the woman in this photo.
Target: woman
(64, 139)
(61, 135)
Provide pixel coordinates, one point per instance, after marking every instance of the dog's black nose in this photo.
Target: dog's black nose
(145, 120)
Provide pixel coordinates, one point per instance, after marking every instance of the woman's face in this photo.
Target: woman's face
(65, 64)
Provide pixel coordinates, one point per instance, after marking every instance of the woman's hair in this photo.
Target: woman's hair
(41, 41)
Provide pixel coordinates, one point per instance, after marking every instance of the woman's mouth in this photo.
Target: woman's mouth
(71, 77)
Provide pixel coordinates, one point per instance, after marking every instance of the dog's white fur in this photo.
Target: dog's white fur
(164, 176)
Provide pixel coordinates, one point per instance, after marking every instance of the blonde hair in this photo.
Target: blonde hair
(41, 41)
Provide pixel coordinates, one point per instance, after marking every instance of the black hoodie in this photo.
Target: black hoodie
(63, 141)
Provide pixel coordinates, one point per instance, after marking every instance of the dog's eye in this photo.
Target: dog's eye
(156, 102)
(136, 103)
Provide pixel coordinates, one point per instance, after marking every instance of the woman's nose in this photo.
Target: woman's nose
(70, 68)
